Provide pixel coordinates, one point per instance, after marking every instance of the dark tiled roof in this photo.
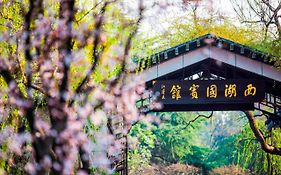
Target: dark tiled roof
(202, 41)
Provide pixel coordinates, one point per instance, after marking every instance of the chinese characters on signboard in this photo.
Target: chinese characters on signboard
(211, 91)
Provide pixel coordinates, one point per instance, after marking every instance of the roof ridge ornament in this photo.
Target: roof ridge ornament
(219, 43)
(187, 46)
(231, 47)
(176, 51)
(242, 50)
(165, 55)
(198, 43)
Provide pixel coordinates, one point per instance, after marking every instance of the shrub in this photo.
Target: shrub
(181, 169)
(232, 169)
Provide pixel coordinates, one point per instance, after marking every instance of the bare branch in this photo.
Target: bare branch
(196, 118)
(254, 22)
(268, 5)
(89, 11)
(263, 12)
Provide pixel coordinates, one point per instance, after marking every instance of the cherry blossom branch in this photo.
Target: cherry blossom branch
(6, 74)
(66, 12)
(120, 75)
(125, 56)
(128, 44)
(38, 88)
(98, 24)
(40, 147)
(27, 52)
(58, 115)
(85, 160)
(56, 127)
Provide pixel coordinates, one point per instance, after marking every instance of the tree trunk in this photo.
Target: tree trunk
(259, 135)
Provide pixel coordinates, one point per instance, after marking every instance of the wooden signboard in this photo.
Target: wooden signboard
(209, 94)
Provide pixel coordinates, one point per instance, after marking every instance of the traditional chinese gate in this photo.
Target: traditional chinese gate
(211, 74)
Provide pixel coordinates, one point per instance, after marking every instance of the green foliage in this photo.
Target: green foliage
(174, 140)
(225, 152)
(140, 154)
(233, 146)
(146, 140)
(199, 158)
(272, 47)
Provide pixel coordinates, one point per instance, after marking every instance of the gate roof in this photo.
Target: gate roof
(209, 47)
